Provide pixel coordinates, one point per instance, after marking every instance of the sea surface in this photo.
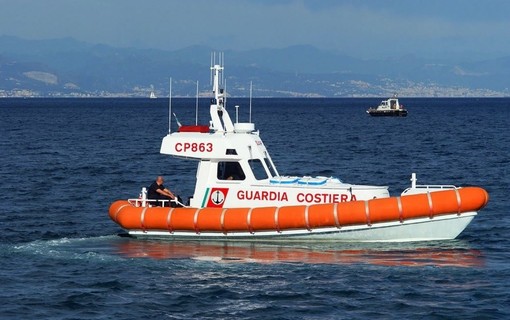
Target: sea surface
(64, 161)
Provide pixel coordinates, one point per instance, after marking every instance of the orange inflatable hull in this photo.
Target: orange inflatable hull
(302, 217)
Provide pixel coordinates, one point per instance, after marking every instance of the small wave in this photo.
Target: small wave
(96, 248)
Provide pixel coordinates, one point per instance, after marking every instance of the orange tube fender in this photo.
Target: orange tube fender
(116, 207)
(263, 218)
(385, 209)
(473, 198)
(209, 219)
(415, 206)
(321, 215)
(183, 219)
(292, 217)
(352, 213)
(235, 219)
(155, 218)
(309, 217)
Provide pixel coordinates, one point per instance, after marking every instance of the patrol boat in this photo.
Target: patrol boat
(240, 195)
(388, 108)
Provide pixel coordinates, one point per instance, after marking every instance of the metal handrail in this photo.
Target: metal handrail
(431, 187)
(434, 186)
(138, 202)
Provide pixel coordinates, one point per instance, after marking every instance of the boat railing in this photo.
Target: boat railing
(428, 187)
(138, 202)
(143, 201)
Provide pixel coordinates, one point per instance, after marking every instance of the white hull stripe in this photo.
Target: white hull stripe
(335, 214)
(431, 207)
(142, 218)
(367, 212)
(276, 224)
(459, 201)
(248, 221)
(195, 221)
(400, 214)
(222, 220)
(169, 220)
(307, 220)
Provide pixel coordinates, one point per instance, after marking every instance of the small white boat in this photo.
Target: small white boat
(152, 95)
(388, 108)
(239, 195)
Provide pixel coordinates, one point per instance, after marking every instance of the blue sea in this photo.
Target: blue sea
(64, 161)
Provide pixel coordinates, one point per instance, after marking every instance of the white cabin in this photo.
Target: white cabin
(236, 170)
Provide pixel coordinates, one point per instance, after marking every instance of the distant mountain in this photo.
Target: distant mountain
(66, 67)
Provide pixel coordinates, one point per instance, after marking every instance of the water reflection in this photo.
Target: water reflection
(453, 254)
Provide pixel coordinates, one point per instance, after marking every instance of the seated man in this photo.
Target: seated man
(157, 191)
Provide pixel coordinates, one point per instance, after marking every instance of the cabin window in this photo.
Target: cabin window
(270, 167)
(228, 170)
(231, 151)
(258, 169)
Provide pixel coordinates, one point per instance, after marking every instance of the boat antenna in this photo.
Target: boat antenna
(170, 107)
(196, 108)
(251, 85)
(225, 93)
(222, 63)
(213, 57)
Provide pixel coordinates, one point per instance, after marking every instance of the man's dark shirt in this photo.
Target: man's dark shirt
(153, 194)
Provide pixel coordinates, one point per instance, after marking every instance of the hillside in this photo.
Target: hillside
(66, 67)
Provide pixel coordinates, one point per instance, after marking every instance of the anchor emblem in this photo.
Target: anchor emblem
(217, 197)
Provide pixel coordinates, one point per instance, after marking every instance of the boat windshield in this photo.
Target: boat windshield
(270, 167)
(258, 169)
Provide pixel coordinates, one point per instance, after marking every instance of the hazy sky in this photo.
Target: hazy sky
(363, 28)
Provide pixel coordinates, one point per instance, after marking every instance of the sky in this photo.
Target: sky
(472, 29)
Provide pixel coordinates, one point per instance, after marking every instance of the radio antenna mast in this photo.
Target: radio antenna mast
(225, 93)
(251, 85)
(222, 63)
(170, 108)
(213, 57)
(196, 108)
